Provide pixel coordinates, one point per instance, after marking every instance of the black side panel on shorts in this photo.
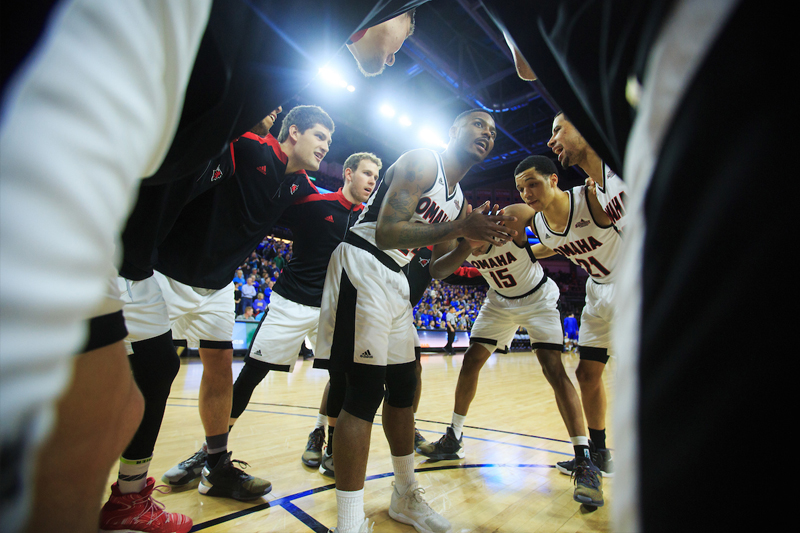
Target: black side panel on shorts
(344, 333)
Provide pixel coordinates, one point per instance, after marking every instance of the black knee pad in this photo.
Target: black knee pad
(365, 388)
(401, 384)
(253, 372)
(154, 363)
(336, 393)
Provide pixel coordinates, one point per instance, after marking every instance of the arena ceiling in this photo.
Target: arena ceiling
(456, 60)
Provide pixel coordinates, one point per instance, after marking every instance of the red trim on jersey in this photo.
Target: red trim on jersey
(331, 196)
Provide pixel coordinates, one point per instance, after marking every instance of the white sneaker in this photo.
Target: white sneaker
(366, 527)
(411, 508)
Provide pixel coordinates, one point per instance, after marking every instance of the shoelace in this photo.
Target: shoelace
(582, 471)
(194, 458)
(151, 505)
(317, 439)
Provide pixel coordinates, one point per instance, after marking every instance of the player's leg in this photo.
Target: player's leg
(419, 440)
(96, 418)
(493, 327)
(407, 504)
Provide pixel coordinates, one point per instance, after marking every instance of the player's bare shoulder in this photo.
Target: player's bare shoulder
(524, 217)
(416, 168)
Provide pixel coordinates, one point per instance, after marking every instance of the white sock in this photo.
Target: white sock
(132, 475)
(350, 509)
(322, 421)
(458, 424)
(579, 441)
(403, 467)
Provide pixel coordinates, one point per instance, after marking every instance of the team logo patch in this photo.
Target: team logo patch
(293, 188)
(424, 262)
(262, 169)
(217, 174)
(329, 218)
(581, 224)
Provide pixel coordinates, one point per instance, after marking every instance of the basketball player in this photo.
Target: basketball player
(366, 324)
(417, 272)
(318, 223)
(609, 190)
(572, 224)
(175, 79)
(521, 294)
(155, 303)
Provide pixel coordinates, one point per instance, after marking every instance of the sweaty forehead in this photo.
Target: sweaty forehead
(526, 175)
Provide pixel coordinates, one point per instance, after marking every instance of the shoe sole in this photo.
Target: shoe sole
(445, 456)
(585, 500)
(327, 473)
(312, 463)
(220, 493)
(403, 519)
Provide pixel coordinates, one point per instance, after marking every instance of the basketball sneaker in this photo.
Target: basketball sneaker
(138, 511)
(326, 464)
(446, 448)
(313, 454)
(419, 440)
(588, 485)
(601, 457)
(412, 509)
(227, 481)
(183, 475)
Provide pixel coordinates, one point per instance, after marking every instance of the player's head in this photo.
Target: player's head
(567, 142)
(360, 174)
(262, 128)
(305, 136)
(375, 47)
(536, 179)
(473, 133)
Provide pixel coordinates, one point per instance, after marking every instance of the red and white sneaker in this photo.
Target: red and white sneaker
(139, 512)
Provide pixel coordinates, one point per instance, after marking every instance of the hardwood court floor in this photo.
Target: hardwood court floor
(506, 483)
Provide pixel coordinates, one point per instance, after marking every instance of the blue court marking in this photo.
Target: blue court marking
(418, 420)
(317, 527)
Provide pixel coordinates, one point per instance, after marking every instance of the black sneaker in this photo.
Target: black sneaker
(227, 481)
(184, 474)
(419, 440)
(446, 448)
(601, 457)
(326, 464)
(313, 454)
(588, 485)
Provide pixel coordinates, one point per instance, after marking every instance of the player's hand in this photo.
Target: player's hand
(486, 225)
(591, 186)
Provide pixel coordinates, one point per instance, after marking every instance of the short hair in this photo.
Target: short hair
(304, 117)
(354, 160)
(469, 112)
(540, 163)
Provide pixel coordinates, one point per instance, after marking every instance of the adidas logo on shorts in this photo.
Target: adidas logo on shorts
(365, 355)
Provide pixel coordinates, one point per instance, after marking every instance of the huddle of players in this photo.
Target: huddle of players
(572, 223)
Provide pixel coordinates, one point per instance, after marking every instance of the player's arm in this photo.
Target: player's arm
(595, 208)
(410, 177)
(540, 251)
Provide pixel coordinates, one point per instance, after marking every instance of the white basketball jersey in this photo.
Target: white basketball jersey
(612, 196)
(511, 270)
(590, 246)
(435, 205)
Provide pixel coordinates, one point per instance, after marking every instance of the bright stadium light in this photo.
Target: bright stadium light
(387, 110)
(404, 120)
(430, 137)
(328, 75)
